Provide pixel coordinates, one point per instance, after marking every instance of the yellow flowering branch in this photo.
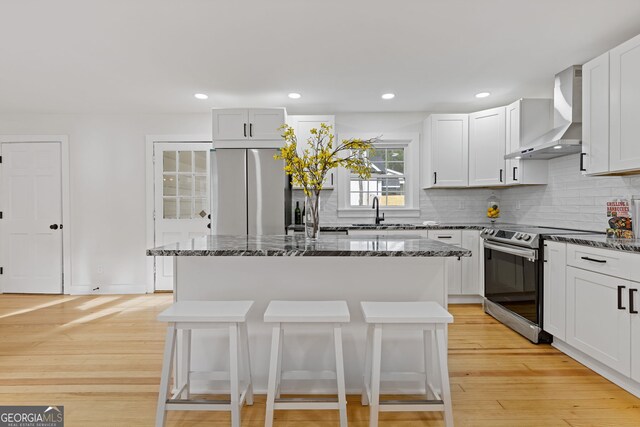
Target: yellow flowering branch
(322, 154)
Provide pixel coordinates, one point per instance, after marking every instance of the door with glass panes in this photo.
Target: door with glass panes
(181, 178)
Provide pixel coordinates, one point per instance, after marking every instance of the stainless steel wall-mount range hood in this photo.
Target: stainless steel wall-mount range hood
(566, 136)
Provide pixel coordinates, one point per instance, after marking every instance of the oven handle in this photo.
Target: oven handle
(524, 253)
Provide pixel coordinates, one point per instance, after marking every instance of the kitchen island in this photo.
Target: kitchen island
(333, 267)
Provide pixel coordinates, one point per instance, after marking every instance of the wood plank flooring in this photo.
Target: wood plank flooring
(100, 357)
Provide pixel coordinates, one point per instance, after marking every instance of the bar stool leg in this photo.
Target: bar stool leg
(342, 397)
(445, 394)
(279, 372)
(374, 404)
(233, 373)
(428, 342)
(247, 363)
(366, 375)
(167, 361)
(186, 362)
(273, 368)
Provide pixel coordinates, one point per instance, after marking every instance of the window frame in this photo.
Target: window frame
(411, 144)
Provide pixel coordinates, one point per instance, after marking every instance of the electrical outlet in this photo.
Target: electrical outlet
(461, 204)
(100, 270)
(517, 204)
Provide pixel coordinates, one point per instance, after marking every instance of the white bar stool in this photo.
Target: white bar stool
(280, 312)
(189, 315)
(427, 316)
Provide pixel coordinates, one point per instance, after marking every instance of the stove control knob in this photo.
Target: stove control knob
(518, 236)
(527, 237)
(492, 232)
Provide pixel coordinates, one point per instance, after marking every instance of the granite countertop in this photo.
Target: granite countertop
(325, 245)
(391, 226)
(599, 241)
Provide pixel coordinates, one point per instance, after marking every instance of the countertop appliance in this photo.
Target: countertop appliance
(514, 274)
(250, 193)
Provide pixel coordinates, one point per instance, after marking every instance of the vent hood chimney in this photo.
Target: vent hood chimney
(566, 136)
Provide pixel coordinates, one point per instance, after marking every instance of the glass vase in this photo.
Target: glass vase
(312, 216)
(493, 208)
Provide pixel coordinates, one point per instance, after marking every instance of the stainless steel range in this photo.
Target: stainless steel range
(513, 277)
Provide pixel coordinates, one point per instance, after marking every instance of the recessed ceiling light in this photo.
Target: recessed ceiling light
(294, 95)
(557, 147)
(388, 96)
(201, 96)
(482, 94)
(518, 157)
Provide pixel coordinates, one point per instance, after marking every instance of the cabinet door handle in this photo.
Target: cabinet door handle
(632, 309)
(250, 129)
(435, 178)
(500, 175)
(601, 261)
(582, 168)
(445, 237)
(332, 178)
(514, 173)
(245, 130)
(620, 288)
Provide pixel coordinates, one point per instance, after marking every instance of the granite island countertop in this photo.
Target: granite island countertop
(598, 241)
(392, 226)
(325, 245)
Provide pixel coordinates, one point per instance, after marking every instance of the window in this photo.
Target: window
(395, 178)
(387, 180)
(184, 184)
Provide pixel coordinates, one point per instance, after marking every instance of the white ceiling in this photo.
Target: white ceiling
(151, 56)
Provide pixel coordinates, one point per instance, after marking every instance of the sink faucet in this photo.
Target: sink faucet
(376, 206)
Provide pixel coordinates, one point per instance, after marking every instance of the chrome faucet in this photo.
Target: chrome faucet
(376, 206)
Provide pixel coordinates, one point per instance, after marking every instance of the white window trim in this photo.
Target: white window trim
(411, 143)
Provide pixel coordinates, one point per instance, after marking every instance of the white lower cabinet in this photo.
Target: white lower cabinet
(598, 319)
(554, 292)
(635, 338)
(471, 265)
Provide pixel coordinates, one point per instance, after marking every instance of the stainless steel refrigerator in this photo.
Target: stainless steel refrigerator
(250, 193)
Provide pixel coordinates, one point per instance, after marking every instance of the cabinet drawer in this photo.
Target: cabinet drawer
(453, 237)
(604, 261)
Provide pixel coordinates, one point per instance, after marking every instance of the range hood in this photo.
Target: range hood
(566, 136)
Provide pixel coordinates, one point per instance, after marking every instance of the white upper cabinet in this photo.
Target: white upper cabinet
(302, 126)
(487, 145)
(265, 123)
(527, 119)
(445, 154)
(230, 124)
(248, 124)
(610, 111)
(625, 106)
(595, 115)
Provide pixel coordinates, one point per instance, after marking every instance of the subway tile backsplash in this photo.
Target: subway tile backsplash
(570, 199)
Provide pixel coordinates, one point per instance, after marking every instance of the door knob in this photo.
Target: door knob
(53, 226)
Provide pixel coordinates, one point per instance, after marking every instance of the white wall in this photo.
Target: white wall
(107, 161)
(569, 200)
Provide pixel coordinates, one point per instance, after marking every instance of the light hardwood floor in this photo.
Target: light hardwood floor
(100, 357)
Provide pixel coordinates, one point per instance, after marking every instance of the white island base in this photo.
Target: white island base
(310, 347)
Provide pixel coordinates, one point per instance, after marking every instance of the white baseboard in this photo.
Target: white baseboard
(614, 376)
(106, 289)
(465, 299)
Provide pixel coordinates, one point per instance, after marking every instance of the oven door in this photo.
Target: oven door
(511, 279)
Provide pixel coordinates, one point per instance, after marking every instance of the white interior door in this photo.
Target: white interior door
(181, 182)
(32, 217)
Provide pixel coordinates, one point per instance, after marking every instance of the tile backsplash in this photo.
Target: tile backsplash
(570, 199)
(442, 205)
